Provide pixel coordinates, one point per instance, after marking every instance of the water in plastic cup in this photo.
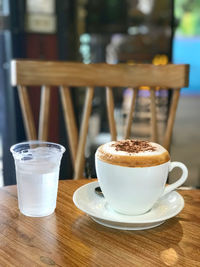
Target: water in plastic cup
(37, 165)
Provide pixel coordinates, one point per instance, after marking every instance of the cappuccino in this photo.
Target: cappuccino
(133, 153)
(133, 173)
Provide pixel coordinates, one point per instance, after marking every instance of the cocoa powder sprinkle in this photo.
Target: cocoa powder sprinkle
(133, 146)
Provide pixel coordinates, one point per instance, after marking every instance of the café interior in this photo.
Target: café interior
(56, 37)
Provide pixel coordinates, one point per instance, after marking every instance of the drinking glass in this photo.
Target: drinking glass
(37, 165)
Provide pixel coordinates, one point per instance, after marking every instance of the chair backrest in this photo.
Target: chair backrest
(26, 73)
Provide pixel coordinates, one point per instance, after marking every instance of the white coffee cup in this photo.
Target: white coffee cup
(134, 190)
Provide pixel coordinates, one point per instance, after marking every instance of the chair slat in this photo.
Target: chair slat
(27, 113)
(171, 118)
(44, 113)
(110, 111)
(113, 75)
(131, 113)
(154, 129)
(70, 122)
(79, 166)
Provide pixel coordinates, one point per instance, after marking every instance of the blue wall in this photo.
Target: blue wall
(187, 50)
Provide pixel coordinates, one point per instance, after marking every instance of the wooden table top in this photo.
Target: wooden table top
(71, 238)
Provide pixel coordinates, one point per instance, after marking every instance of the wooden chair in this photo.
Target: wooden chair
(26, 73)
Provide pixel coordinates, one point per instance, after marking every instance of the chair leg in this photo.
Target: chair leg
(79, 165)
(171, 118)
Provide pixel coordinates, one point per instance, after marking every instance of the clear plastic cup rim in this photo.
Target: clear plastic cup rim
(36, 142)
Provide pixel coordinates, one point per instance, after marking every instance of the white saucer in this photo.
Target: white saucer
(98, 209)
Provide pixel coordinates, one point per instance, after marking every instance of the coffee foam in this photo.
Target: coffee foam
(156, 154)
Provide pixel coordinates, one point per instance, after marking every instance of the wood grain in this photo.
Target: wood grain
(70, 121)
(46, 72)
(44, 113)
(27, 112)
(70, 238)
(110, 112)
(171, 118)
(154, 130)
(79, 164)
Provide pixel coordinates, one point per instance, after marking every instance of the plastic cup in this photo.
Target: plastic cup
(37, 165)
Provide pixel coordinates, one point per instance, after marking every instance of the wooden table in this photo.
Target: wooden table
(71, 238)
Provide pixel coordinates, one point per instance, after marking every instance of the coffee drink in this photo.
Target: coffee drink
(133, 153)
(133, 173)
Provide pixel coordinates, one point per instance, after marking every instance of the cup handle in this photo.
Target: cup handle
(180, 181)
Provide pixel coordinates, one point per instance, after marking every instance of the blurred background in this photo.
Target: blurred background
(112, 31)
